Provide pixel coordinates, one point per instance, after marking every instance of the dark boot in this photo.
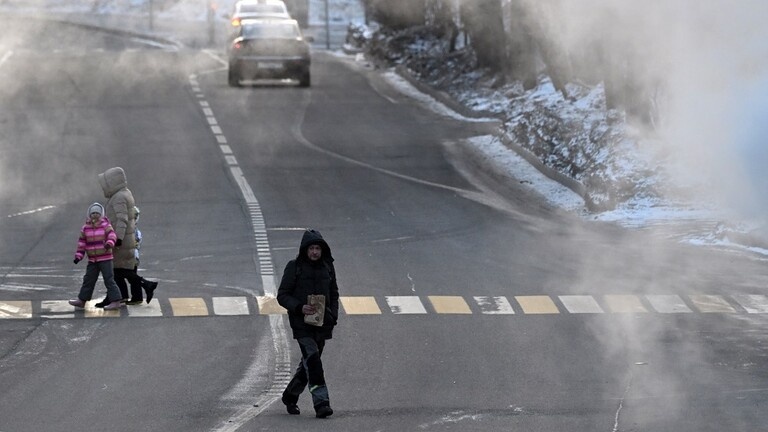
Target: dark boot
(293, 409)
(323, 411)
(103, 303)
(150, 288)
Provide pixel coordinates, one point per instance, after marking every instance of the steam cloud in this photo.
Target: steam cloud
(709, 61)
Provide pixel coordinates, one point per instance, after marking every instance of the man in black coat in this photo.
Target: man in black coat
(310, 274)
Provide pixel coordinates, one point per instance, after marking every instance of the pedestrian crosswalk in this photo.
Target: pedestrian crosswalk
(408, 305)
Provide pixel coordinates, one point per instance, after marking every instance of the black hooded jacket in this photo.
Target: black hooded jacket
(303, 277)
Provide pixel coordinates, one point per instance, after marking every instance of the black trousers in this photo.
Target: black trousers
(133, 278)
(309, 372)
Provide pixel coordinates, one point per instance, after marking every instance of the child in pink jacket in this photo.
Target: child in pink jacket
(97, 238)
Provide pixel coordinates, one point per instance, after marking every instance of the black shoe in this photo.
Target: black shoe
(293, 409)
(103, 303)
(150, 287)
(323, 411)
(134, 302)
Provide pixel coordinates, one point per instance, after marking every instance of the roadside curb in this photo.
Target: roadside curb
(572, 184)
(441, 96)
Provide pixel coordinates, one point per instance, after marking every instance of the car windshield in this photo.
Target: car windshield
(261, 9)
(271, 31)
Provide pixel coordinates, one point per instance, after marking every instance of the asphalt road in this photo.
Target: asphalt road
(604, 329)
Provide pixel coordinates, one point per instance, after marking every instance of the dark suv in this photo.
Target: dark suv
(269, 48)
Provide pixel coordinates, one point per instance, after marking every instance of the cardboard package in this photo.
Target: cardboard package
(316, 319)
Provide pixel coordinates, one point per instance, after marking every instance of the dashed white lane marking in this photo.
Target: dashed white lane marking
(245, 188)
(280, 345)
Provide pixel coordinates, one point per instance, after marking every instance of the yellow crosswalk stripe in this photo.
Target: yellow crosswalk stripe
(188, 306)
(268, 306)
(711, 303)
(624, 304)
(449, 305)
(16, 309)
(360, 305)
(537, 304)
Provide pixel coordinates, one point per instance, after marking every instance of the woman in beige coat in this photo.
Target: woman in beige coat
(120, 210)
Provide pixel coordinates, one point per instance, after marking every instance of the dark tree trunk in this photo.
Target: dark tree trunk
(484, 24)
(555, 59)
(440, 15)
(521, 46)
(396, 14)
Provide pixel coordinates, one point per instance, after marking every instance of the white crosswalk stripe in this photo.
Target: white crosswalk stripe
(405, 305)
(230, 306)
(668, 304)
(711, 304)
(145, 310)
(578, 304)
(753, 303)
(494, 305)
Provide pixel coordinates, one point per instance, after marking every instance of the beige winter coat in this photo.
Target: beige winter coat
(120, 208)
